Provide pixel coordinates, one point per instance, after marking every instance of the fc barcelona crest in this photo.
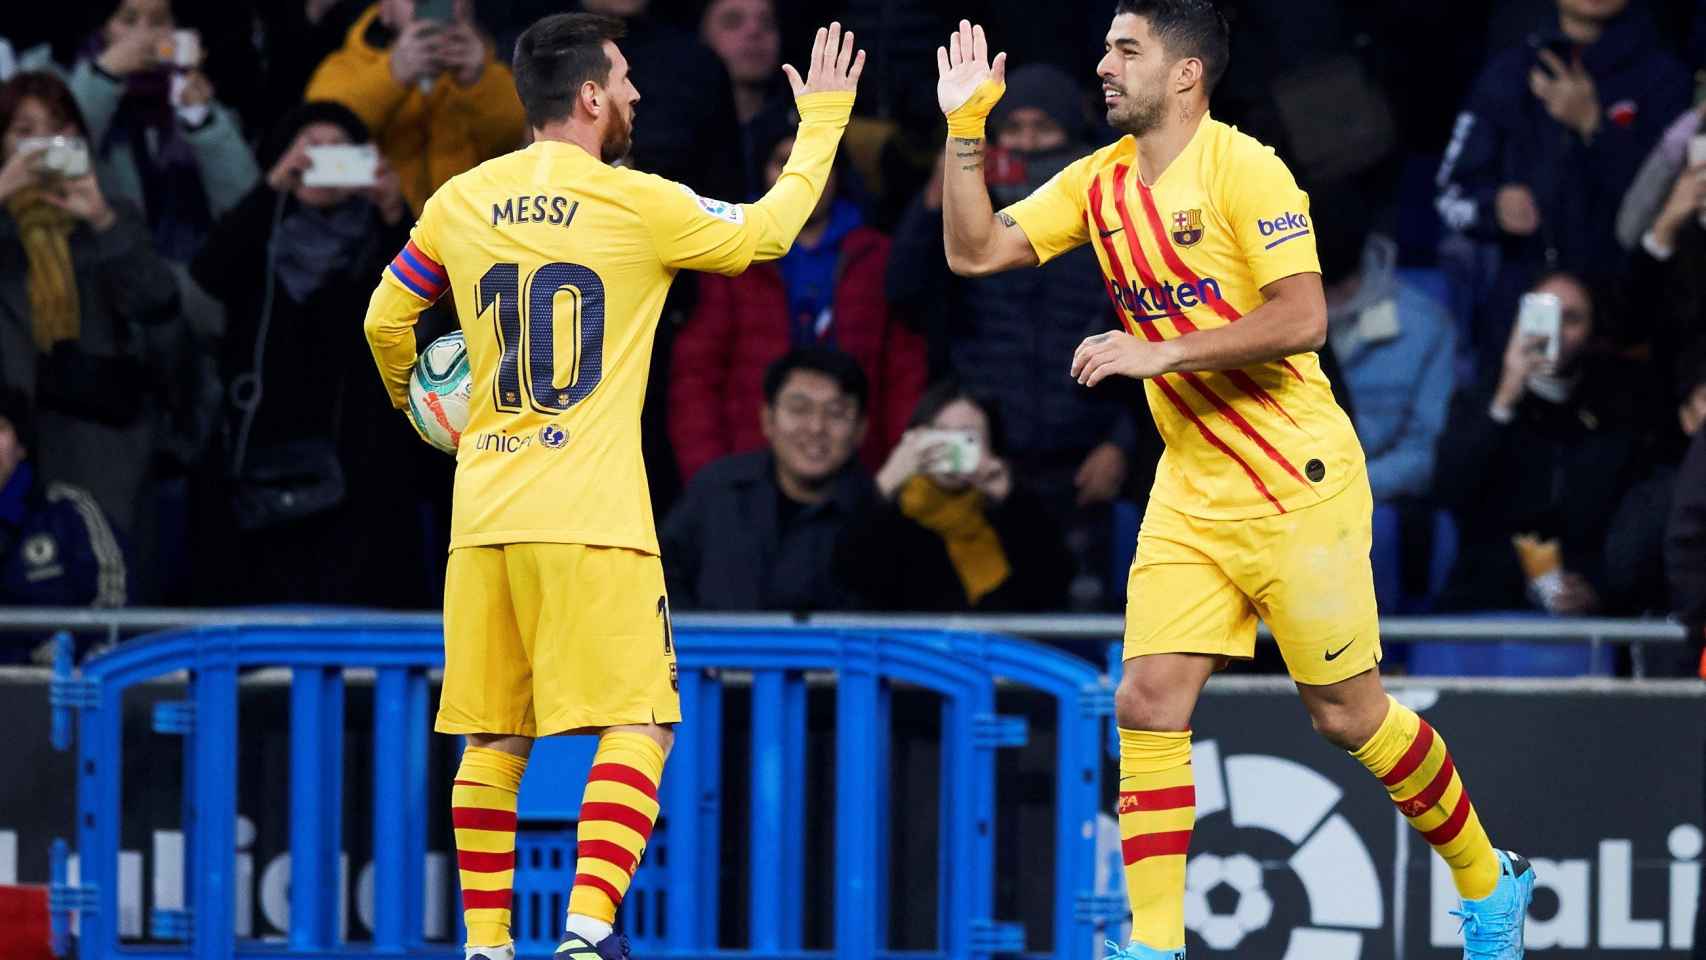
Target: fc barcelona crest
(1187, 227)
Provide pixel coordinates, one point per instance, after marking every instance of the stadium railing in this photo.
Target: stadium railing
(961, 667)
(960, 658)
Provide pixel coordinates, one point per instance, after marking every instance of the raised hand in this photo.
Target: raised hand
(834, 66)
(963, 65)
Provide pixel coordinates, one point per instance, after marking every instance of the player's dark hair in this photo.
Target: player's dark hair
(830, 362)
(558, 54)
(946, 392)
(1187, 28)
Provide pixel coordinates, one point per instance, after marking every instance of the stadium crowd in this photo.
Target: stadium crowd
(189, 414)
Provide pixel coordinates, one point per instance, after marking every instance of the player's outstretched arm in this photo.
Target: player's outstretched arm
(696, 234)
(824, 99)
(968, 85)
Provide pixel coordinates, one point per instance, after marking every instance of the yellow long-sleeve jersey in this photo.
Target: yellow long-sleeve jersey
(558, 265)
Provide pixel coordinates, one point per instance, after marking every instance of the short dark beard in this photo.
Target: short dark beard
(618, 140)
(1136, 117)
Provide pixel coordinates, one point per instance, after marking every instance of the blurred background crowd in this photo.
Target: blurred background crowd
(189, 414)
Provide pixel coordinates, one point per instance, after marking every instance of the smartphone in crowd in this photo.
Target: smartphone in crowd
(438, 11)
(342, 165)
(1696, 150)
(953, 452)
(182, 49)
(1541, 315)
(63, 157)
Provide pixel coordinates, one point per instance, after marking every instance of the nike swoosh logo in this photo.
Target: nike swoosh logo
(1109, 233)
(1335, 654)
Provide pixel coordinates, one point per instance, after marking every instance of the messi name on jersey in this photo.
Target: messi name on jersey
(538, 208)
(1164, 299)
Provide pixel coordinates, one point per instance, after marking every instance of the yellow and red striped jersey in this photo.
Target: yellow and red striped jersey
(1191, 252)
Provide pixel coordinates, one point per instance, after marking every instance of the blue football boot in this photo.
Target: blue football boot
(1492, 925)
(1137, 951)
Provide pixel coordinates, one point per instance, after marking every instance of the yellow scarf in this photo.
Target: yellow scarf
(44, 231)
(958, 518)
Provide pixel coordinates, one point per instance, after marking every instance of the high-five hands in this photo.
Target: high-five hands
(963, 65)
(833, 68)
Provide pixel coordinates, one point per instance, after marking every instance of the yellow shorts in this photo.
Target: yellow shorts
(1198, 586)
(545, 638)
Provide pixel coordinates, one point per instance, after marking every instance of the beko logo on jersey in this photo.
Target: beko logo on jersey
(557, 211)
(1284, 223)
(1154, 303)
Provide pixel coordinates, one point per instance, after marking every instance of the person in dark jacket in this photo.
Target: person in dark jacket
(1005, 336)
(951, 534)
(1685, 543)
(80, 281)
(759, 531)
(1534, 466)
(56, 547)
(311, 470)
(690, 134)
(828, 290)
(1543, 152)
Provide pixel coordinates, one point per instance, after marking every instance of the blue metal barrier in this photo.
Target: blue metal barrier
(962, 668)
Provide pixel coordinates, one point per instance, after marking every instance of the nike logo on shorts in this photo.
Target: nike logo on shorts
(1334, 655)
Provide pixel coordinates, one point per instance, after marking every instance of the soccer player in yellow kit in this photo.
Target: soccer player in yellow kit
(1261, 505)
(555, 616)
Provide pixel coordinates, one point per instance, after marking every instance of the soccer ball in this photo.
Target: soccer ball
(1242, 876)
(439, 390)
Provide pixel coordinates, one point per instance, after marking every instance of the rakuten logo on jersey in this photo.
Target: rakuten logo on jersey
(1284, 223)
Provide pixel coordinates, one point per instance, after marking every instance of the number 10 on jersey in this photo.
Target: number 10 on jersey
(529, 327)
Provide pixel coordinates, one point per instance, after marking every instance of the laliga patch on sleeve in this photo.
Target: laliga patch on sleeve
(716, 208)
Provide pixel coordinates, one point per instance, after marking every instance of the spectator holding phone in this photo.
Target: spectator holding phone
(1534, 465)
(79, 278)
(307, 482)
(1542, 153)
(160, 137)
(954, 529)
(423, 79)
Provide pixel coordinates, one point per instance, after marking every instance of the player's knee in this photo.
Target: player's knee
(1338, 724)
(1143, 706)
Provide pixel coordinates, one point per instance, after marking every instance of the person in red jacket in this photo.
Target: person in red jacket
(828, 291)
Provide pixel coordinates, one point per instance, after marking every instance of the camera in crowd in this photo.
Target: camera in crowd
(66, 158)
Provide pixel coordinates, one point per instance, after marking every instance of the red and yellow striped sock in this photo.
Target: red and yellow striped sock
(1416, 767)
(482, 809)
(617, 813)
(1158, 809)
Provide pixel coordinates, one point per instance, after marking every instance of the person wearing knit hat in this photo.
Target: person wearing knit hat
(1038, 96)
(1002, 336)
(304, 443)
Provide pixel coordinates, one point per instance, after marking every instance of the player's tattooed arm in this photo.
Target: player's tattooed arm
(968, 152)
(1006, 219)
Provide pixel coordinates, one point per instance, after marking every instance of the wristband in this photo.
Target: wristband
(966, 121)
